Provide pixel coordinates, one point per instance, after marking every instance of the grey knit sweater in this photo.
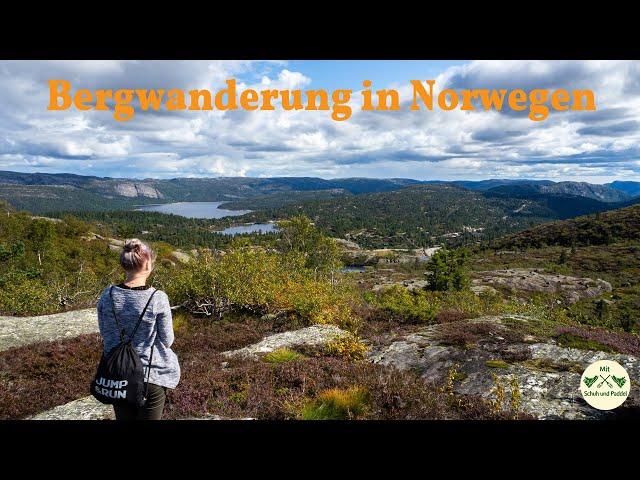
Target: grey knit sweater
(129, 303)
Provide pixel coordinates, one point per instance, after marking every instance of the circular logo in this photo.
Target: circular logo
(605, 384)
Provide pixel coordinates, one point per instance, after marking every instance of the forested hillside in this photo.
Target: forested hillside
(596, 229)
(175, 230)
(46, 266)
(424, 215)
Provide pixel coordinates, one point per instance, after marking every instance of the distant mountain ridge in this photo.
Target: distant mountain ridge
(44, 192)
(601, 193)
(632, 188)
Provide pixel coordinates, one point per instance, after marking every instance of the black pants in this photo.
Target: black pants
(152, 410)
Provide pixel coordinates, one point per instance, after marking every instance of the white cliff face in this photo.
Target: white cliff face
(132, 190)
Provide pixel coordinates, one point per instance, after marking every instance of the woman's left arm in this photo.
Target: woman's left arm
(164, 320)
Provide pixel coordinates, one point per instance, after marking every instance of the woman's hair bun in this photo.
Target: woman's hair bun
(134, 254)
(133, 245)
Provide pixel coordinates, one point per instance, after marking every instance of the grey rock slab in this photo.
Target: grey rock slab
(314, 336)
(180, 256)
(545, 394)
(534, 280)
(19, 331)
(87, 408)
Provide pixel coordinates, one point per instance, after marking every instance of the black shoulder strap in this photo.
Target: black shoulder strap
(113, 309)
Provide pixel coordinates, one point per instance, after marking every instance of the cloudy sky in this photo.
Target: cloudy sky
(595, 146)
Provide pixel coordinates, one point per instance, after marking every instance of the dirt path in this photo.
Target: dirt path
(19, 331)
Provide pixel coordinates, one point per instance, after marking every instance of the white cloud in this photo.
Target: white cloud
(424, 144)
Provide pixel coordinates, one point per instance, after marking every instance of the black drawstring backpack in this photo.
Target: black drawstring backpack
(120, 375)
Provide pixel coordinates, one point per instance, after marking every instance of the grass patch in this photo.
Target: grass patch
(548, 365)
(337, 404)
(496, 364)
(458, 376)
(281, 355)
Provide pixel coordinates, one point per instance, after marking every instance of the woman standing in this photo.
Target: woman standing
(120, 307)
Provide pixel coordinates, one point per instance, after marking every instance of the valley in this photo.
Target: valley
(401, 300)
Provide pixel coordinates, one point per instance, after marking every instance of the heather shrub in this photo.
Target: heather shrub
(448, 316)
(337, 404)
(598, 339)
(279, 391)
(467, 334)
(41, 376)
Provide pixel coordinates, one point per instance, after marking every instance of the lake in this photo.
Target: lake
(353, 269)
(209, 210)
(193, 209)
(253, 228)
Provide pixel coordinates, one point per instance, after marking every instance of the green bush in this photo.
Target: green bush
(348, 346)
(447, 270)
(22, 295)
(425, 306)
(411, 305)
(258, 281)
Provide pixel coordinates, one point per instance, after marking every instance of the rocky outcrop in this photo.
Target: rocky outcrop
(349, 245)
(87, 408)
(132, 190)
(115, 244)
(18, 331)
(314, 337)
(357, 256)
(603, 193)
(546, 374)
(48, 219)
(534, 280)
(181, 257)
(412, 284)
